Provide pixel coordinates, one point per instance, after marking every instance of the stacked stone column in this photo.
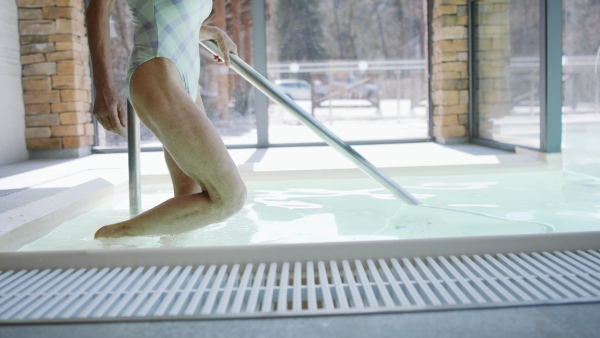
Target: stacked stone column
(55, 75)
(450, 78)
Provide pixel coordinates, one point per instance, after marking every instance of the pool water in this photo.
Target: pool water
(331, 210)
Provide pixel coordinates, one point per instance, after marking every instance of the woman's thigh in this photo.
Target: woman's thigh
(161, 102)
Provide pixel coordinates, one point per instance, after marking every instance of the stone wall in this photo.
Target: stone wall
(55, 76)
(450, 78)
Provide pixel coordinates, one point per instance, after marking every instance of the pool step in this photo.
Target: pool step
(31, 213)
(13, 198)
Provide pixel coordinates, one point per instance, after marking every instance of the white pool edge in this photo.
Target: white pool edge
(304, 252)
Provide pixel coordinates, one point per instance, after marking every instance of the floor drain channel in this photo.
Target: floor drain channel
(299, 288)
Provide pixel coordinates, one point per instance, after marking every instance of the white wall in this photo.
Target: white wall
(12, 112)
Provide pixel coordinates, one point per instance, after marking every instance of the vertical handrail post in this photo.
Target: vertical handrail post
(551, 91)
(259, 57)
(597, 105)
(133, 149)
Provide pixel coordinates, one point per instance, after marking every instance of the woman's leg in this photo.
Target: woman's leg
(182, 183)
(195, 148)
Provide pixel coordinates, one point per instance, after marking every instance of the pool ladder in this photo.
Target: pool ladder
(275, 94)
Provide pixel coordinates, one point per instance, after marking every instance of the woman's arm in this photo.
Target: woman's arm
(226, 45)
(108, 108)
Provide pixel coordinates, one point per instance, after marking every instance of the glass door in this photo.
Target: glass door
(507, 82)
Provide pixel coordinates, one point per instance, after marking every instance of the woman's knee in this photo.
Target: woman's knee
(233, 201)
(238, 198)
(189, 187)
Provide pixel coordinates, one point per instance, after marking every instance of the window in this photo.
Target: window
(359, 66)
(507, 76)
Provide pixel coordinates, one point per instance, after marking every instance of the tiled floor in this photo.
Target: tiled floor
(574, 320)
(114, 166)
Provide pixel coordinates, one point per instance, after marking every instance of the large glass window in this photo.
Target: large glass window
(507, 71)
(581, 75)
(358, 66)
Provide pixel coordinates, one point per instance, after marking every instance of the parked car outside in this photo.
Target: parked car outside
(347, 89)
(295, 89)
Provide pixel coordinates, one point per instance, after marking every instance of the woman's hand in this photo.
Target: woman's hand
(226, 45)
(108, 108)
(224, 42)
(110, 112)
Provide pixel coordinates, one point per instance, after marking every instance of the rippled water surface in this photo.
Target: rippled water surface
(296, 211)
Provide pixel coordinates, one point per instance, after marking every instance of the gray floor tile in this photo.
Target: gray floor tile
(576, 320)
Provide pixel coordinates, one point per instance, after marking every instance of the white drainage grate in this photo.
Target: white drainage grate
(299, 288)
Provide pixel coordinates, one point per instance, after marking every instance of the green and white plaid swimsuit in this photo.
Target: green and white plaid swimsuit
(170, 29)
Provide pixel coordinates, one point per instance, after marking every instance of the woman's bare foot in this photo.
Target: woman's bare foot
(111, 231)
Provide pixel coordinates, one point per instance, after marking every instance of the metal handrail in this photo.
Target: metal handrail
(275, 94)
(597, 83)
(597, 57)
(133, 148)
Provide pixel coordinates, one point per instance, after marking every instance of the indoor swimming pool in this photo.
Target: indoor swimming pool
(342, 210)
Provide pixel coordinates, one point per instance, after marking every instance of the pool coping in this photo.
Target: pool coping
(301, 252)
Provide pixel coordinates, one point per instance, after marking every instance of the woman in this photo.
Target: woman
(162, 82)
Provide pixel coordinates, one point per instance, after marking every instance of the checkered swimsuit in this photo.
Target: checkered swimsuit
(170, 29)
